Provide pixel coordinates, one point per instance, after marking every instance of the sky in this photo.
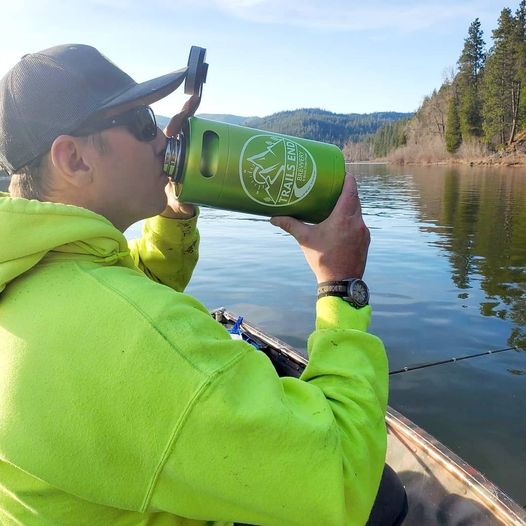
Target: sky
(264, 56)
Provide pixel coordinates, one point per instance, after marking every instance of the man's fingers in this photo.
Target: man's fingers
(349, 201)
(191, 105)
(295, 228)
(176, 122)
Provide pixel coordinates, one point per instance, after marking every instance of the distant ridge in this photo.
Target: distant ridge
(226, 117)
(313, 123)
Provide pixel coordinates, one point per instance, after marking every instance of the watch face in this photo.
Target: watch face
(359, 293)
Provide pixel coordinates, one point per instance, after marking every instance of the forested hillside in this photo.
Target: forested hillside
(313, 123)
(478, 110)
(225, 117)
(321, 125)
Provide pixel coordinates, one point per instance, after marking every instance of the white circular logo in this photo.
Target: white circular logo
(275, 170)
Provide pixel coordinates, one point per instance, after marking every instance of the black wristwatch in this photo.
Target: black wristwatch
(353, 291)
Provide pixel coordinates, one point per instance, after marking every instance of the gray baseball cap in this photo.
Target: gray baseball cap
(53, 92)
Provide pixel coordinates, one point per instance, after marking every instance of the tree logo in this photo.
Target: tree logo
(276, 171)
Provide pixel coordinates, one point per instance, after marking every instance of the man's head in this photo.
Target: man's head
(78, 125)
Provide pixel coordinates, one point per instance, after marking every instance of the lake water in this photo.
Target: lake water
(447, 276)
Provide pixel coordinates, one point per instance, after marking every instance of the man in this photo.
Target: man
(121, 400)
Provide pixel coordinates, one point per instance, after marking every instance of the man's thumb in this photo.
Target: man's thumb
(290, 224)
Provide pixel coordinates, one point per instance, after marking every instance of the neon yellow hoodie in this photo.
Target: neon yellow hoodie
(123, 403)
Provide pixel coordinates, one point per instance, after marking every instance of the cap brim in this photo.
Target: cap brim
(149, 91)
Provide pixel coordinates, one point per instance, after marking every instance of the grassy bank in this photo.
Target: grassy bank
(433, 151)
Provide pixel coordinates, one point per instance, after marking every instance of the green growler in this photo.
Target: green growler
(237, 168)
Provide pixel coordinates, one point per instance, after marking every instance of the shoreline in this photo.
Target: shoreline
(482, 163)
(495, 161)
(367, 162)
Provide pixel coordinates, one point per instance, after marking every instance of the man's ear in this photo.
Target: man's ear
(71, 158)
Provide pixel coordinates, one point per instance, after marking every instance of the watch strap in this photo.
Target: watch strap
(332, 288)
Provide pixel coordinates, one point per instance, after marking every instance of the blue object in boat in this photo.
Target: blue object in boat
(237, 334)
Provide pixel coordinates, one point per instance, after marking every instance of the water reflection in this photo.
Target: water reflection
(480, 218)
(475, 217)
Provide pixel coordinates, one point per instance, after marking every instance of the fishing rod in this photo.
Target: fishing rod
(452, 360)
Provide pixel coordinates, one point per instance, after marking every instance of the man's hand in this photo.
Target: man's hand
(337, 248)
(174, 208)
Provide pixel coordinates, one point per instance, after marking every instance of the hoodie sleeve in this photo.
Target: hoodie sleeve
(168, 250)
(259, 449)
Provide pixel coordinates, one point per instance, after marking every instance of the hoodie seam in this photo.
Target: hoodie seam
(128, 301)
(210, 380)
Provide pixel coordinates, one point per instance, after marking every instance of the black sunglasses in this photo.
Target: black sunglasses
(140, 122)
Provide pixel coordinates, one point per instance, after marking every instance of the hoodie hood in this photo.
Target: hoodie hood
(30, 230)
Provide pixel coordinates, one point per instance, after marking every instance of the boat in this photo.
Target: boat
(442, 489)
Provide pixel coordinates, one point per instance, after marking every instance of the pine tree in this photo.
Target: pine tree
(520, 45)
(502, 84)
(468, 82)
(389, 137)
(453, 133)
